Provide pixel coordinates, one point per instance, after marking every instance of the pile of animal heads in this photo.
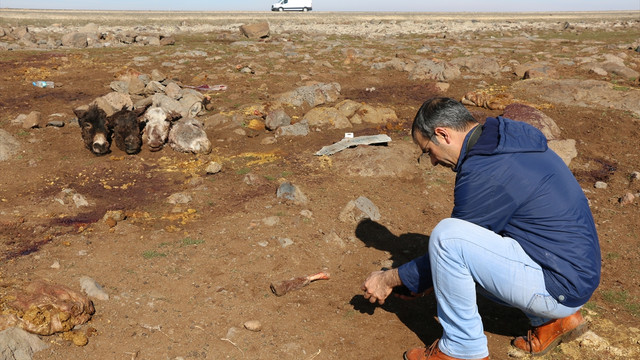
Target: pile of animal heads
(98, 130)
(182, 134)
(156, 126)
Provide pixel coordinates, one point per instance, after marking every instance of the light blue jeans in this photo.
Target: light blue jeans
(466, 257)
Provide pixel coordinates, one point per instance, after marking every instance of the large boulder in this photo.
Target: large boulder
(432, 70)
(17, 344)
(311, 95)
(255, 31)
(583, 93)
(114, 102)
(478, 64)
(75, 40)
(535, 117)
(327, 116)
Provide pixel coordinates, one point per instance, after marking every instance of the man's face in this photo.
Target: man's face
(438, 154)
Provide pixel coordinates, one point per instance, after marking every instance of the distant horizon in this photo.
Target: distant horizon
(473, 6)
(354, 11)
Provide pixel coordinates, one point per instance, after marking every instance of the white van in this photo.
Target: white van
(292, 5)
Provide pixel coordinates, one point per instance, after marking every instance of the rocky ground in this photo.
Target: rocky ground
(178, 250)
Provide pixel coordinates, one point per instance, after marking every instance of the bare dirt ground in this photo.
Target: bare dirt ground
(184, 278)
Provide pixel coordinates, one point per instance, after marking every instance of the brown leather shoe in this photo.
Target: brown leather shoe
(541, 339)
(431, 353)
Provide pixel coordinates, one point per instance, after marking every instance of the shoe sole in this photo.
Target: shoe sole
(569, 336)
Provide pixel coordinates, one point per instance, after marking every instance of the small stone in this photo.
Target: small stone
(179, 198)
(56, 123)
(271, 221)
(214, 168)
(253, 325)
(284, 242)
(32, 120)
(19, 120)
(55, 265)
(600, 185)
(627, 199)
(93, 289)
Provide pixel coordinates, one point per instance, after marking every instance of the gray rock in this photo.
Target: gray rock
(431, 70)
(8, 145)
(187, 135)
(167, 40)
(311, 95)
(620, 70)
(298, 129)
(168, 104)
(288, 191)
(56, 123)
(478, 64)
(17, 344)
(153, 40)
(359, 209)
(90, 28)
(157, 75)
(154, 87)
(120, 86)
(173, 90)
(584, 93)
(284, 242)
(276, 119)
(600, 185)
(136, 86)
(521, 69)
(93, 289)
(19, 120)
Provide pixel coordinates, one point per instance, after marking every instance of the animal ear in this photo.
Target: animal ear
(81, 111)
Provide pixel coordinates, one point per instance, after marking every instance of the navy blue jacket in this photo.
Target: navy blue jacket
(511, 183)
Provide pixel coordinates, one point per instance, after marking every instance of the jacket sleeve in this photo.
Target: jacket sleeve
(416, 274)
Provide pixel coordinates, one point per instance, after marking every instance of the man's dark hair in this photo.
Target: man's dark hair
(443, 112)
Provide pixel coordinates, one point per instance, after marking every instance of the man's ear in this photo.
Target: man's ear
(443, 133)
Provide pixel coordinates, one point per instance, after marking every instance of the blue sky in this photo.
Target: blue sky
(332, 5)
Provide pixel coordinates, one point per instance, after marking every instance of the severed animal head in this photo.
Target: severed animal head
(44, 308)
(188, 135)
(156, 130)
(95, 132)
(126, 131)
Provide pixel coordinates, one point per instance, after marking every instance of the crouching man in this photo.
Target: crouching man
(521, 233)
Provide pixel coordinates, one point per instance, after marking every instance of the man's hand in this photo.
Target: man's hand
(379, 285)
